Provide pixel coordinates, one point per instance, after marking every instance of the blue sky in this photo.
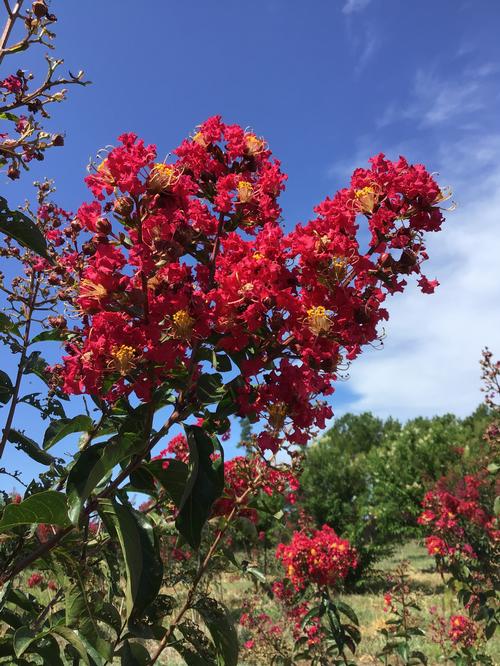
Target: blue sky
(328, 83)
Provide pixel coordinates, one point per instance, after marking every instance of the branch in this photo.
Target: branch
(9, 24)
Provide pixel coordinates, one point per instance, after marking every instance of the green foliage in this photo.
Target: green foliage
(367, 477)
(18, 226)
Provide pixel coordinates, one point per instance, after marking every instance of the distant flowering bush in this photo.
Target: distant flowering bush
(462, 631)
(321, 559)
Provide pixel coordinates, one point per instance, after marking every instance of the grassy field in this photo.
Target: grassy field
(423, 582)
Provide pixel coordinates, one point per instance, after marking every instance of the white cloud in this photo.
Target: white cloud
(352, 6)
(436, 100)
(429, 364)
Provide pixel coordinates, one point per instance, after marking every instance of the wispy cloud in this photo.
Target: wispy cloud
(436, 99)
(352, 6)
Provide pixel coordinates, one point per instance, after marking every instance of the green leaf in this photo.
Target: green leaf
(79, 611)
(209, 388)
(133, 654)
(6, 115)
(205, 484)
(172, 479)
(7, 325)
(55, 334)
(18, 226)
(61, 428)
(93, 465)
(347, 611)
(221, 362)
(222, 630)
(71, 637)
(36, 365)
(23, 638)
(47, 507)
(496, 506)
(190, 656)
(6, 388)
(30, 447)
(140, 549)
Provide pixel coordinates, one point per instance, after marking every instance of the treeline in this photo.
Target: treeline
(366, 477)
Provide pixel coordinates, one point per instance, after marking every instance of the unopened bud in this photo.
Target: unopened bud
(58, 322)
(39, 8)
(123, 206)
(13, 173)
(58, 140)
(103, 226)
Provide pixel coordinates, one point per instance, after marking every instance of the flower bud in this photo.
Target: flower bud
(103, 226)
(58, 322)
(123, 206)
(58, 140)
(40, 9)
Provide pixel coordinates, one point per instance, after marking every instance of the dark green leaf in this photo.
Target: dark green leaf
(172, 478)
(93, 465)
(205, 484)
(140, 549)
(222, 630)
(71, 637)
(18, 226)
(46, 507)
(209, 388)
(347, 611)
(23, 638)
(61, 428)
(6, 388)
(36, 365)
(7, 325)
(45, 336)
(30, 447)
(133, 654)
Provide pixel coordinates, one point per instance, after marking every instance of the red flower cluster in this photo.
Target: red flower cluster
(188, 257)
(323, 559)
(177, 448)
(243, 473)
(457, 516)
(35, 580)
(462, 631)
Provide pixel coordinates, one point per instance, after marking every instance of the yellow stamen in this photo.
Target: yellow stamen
(200, 139)
(254, 144)
(339, 267)
(257, 256)
(122, 359)
(183, 323)
(162, 177)
(318, 320)
(277, 415)
(89, 289)
(366, 198)
(245, 191)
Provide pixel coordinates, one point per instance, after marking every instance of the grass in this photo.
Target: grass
(423, 581)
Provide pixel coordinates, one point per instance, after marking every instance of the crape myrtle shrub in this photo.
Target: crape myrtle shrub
(367, 477)
(179, 300)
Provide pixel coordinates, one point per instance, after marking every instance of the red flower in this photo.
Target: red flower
(462, 631)
(323, 558)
